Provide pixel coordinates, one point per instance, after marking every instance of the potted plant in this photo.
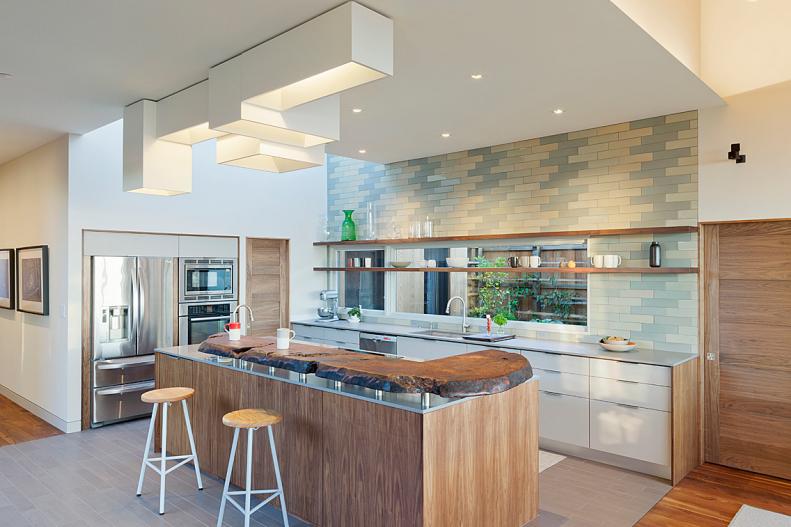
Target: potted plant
(354, 314)
(500, 320)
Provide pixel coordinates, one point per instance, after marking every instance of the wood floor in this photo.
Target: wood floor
(711, 495)
(17, 425)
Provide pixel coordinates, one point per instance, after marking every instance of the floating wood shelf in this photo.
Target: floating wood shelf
(520, 235)
(516, 270)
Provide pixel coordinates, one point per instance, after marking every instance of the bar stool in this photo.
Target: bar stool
(251, 420)
(166, 397)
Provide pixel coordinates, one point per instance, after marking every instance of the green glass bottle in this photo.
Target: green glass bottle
(348, 228)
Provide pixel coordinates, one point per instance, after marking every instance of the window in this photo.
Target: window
(361, 288)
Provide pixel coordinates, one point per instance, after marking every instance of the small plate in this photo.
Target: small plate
(400, 265)
(618, 347)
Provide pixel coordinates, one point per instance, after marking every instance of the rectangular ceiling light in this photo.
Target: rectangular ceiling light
(311, 124)
(184, 116)
(248, 152)
(343, 48)
(152, 166)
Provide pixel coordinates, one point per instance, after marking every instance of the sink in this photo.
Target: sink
(439, 333)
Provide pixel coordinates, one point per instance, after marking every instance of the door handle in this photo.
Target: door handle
(120, 391)
(108, 365)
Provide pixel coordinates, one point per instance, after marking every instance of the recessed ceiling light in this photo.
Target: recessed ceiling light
(445, 134)
(557, 111)
(357, 110)
(476, 76)
(362, 151)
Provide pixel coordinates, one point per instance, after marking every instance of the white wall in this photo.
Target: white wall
(761, 187)
(33, 354)
(675, 24)
(224, 200)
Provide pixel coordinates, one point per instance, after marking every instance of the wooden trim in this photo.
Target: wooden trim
(163, 234)
(85, 414)
(518, 235)
(685, 420)
(516, 270)
(731, 222)
(711, 317)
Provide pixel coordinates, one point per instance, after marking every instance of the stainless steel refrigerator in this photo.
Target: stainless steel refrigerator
(133, 312)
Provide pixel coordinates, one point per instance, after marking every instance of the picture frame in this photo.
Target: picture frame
(32, 280)
(7, 279)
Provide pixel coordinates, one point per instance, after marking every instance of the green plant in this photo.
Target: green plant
(555, 301)
(355, 312)
(496, 295)
(500, 319)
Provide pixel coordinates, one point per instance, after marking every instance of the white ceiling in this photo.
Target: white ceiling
(76, 64)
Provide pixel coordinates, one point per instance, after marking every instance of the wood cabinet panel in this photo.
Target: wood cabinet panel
(755, 301)
(686, 419)
(767, 256)
(169, 373)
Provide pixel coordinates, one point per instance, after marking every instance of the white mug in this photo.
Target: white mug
(524, 261)
(535, 261)
(597, 261)
(284, 336)
(234, 330)
(612, 260)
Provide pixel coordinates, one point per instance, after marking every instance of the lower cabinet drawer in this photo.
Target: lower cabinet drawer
(645, 373)
(556, 362)
(342, 336)
(309, 332)
(632, 393)
(565, 383)
(633, 432)
(563, 418)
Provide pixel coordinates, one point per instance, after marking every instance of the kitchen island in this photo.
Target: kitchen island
(355, 456)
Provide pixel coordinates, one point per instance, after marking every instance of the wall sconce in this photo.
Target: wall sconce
(734, 153)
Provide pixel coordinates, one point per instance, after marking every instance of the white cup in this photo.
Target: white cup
(612, 260)
(284, 336)
(535, 261)
(234, 330)
(597, 261)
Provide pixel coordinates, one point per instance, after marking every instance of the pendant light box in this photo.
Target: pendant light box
(184, 116)
(308, 125)
(152, 166)
(248, 152)
(345, 47)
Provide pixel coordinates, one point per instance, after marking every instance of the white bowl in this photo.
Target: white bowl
(400, 265)
(457, 262)
(629, 346)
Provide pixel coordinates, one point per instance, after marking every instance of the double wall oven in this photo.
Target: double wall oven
(208, 296)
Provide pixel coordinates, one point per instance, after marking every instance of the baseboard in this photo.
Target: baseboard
(33, 408)
(636, 465)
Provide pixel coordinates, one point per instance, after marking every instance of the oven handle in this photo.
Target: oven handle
(209, 319)
(129, 389)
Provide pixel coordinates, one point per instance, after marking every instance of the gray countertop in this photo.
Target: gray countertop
(403, 401)
(582, 349)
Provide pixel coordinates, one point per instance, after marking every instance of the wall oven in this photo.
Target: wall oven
(208, 279)
(197, 322)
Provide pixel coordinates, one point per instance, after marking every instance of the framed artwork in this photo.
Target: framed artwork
(7, 280)
(32, 272)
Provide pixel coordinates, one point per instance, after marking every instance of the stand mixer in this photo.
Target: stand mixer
(329, 313)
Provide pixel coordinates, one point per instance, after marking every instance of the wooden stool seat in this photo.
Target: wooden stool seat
(167, 395)
(251, 418)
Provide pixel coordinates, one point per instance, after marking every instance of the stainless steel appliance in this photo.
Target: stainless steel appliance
(198, 321)
(132, 314)
(208, 279)
(329, 312)
(381, 344)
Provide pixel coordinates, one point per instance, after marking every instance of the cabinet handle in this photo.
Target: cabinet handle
(631, 406)
(549, 371)
(553, 394)
(627, 382)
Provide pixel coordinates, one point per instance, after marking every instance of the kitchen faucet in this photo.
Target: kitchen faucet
(464, 325)
(236, 312)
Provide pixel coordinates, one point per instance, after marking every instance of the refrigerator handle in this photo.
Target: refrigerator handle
(135, 296)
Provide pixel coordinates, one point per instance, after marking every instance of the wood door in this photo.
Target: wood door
(747, 342)
(267, 290)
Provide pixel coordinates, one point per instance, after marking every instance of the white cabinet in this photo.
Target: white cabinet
(631, 393)
(208, 247)
(563, 418)
(425, 349)
(630, 431)
(313, 334)
(559, 382)
(556, 362)
(342, 338)
(627, 371)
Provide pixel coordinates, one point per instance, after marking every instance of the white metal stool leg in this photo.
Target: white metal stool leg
(192, 443)
(163, 458)
(228, 476)
(277, 475)
(148, 449)
(248, 477)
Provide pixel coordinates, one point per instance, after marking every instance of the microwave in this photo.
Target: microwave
(202, 279)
